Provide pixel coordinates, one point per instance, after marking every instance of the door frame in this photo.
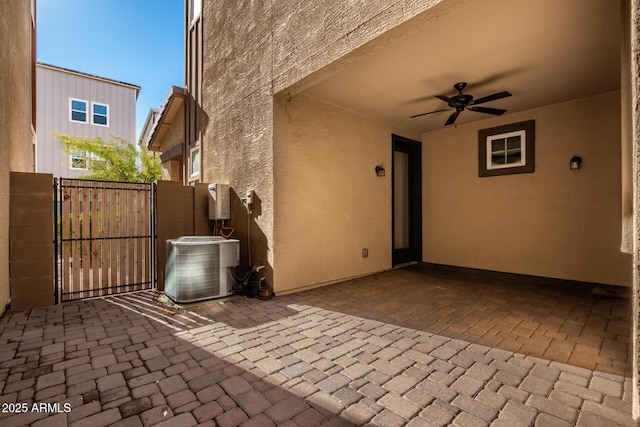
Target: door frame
(414, 150)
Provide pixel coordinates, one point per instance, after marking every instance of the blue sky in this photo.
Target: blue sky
(135, 41)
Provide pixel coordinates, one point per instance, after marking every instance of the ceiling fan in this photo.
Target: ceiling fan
(463, 101)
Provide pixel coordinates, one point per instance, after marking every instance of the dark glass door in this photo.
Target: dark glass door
(407, 200)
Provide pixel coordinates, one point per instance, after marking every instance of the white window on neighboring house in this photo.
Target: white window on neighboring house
(99, 114)
(194, 163)
(79, 159)
(77, 110)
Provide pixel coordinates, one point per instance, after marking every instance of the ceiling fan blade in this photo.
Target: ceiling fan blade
(493, 97)
(445, 98)
(486, 110)
(430, 112)
(452, 118)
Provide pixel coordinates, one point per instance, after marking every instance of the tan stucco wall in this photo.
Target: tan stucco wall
(254, 50)
(16, 138)
(554, 222)
(329, 202)
(634, 76)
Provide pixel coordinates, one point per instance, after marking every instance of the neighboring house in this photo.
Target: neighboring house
(79, 104)
(148, 125)
(17, 114)
(310, 107)
(163, 133)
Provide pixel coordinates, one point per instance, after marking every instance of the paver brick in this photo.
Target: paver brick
(48, 380)
(180, 398)
(110, 381)
(333, 383)
(86, 376)
(581, 392)
(606, 386)
(135, 407)
(207, 411)
(156, 415)
(359, 413)
(145, 379)
(536, 385)
(83, 411)
(467, 385)
(517, 413)
(236, 386)
(286, 409)
(552, 408)
(103, 361)
(399, 405)
(325, 403)
(172, 385)
(388, 419)
(252, 403)
(100, 419)
(182, 420)
(233, 417)
(609, 414)
(475, 407)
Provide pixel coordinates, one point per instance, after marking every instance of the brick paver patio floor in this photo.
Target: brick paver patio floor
(418, 346)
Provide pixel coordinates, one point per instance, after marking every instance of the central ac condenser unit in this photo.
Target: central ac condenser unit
(198, 267)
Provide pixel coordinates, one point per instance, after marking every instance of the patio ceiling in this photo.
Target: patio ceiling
(542, 51)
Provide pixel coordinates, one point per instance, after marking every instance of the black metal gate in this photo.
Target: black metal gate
(104, 238)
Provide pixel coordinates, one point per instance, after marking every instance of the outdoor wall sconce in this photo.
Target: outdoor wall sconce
(575, 163)
(379, 170)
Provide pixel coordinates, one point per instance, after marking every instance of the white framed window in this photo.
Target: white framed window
(99, 114)
(78, 110)
(78, 159)
(506, 150)
(194, 163)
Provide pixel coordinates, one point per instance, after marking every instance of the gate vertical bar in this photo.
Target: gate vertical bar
(56, 217)
(153, 195)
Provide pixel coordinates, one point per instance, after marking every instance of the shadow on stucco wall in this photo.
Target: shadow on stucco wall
(253, 245)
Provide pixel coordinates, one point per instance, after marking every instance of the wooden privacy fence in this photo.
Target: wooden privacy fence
(104, 238)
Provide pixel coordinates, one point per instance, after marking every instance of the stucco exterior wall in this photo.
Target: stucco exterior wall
(253, 50)
(330, 203)
(634, 74)
(555, 222)
(16, 138)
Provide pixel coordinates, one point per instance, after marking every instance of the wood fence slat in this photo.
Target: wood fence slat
(85, 246)
(131, 227)
(76, 250)
(139, 242)
(65, 233)
(113, 223)
(146, 230)
(123, 258)
(96, 192)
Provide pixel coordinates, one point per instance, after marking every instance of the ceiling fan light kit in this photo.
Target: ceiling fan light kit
(463, 101)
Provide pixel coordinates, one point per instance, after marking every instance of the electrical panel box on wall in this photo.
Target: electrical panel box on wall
(219, 203)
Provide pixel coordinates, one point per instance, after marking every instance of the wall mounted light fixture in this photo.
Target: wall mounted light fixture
(379, 170)
(575, 163)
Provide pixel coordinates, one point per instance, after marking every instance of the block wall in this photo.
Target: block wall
(31, 240)
(181, 211)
